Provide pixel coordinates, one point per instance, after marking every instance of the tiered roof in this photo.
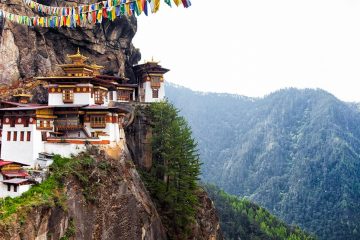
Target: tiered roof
(80, 72)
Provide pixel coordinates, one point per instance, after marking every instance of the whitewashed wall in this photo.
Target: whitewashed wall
(5, 193)
(148, 92)
(21, 151)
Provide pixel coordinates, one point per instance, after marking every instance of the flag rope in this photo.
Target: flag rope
(82, 15)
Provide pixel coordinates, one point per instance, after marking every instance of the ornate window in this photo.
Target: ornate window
(99, 97)
(98, 121)
(155, 93)
(43, 124)
(68, 95)
(124, 95)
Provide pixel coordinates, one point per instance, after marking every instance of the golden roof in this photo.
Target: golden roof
(77, 58)
(22, 95)
(96, 67)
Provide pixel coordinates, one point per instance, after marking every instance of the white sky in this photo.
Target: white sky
(254, 47)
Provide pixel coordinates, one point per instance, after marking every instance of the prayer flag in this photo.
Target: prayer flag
(168, 2)
(177, 2)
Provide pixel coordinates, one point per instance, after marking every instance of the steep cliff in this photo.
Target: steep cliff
(100, 196)
(103, 198)
(30, 51)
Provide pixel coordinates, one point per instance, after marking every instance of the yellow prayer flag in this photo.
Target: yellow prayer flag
(177, 2)
(99, 16)
(157, 5)
(68, 21)
(113, 13)
(140, 5)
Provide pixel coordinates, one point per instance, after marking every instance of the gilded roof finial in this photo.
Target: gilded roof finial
(77, 58)
(152, 61)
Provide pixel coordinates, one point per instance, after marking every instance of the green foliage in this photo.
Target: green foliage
(51, 192)
(172, 180)
(241, 219)
(295, 152)
(48, 193)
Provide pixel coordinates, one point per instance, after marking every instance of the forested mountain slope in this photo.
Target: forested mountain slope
(296, 152)
(242, 219)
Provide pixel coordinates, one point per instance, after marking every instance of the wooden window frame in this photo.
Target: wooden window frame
(43, 124)
(99, 97)
(28, 136)
(22, 135)
(124, 95)
(68, 95)
(155, 93)
(98, 121)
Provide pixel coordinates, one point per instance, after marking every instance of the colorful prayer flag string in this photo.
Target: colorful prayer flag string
(83, 15)
(136, 6)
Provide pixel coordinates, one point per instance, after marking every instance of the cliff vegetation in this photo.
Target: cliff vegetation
(242, 219)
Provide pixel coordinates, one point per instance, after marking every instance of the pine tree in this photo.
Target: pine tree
(172, 180)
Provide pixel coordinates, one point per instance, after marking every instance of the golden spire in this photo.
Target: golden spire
(77, 58)
(152, 60)
(96, 68)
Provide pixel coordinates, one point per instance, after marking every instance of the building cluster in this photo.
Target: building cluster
(84, 107)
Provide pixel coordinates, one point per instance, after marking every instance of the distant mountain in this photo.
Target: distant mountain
(295, 152)
(241, 219)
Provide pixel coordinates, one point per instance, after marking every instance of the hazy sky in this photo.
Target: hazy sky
(254, 47)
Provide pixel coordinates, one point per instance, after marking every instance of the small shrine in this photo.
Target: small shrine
(13, 179)
(151, 81)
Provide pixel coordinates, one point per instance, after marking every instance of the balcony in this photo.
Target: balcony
(67, 124)
(98, 125)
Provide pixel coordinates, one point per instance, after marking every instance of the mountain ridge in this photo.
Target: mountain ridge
(294, 151)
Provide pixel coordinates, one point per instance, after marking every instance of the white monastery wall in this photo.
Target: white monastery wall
(20, 190)
(83, 98)
(55, 99)
(148, 92)
(64, 149)
(21, 151)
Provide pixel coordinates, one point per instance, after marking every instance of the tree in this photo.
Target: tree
(172, 179)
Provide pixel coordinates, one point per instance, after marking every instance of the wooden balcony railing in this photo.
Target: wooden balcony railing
(98, 125)
(68, 127)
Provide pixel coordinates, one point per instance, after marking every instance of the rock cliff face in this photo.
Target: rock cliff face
(28, 52)
(117, 208)
(123, 209)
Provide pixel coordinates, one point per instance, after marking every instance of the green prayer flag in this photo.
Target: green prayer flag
(168, 2)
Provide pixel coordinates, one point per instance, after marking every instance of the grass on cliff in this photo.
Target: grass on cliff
(51, 192)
